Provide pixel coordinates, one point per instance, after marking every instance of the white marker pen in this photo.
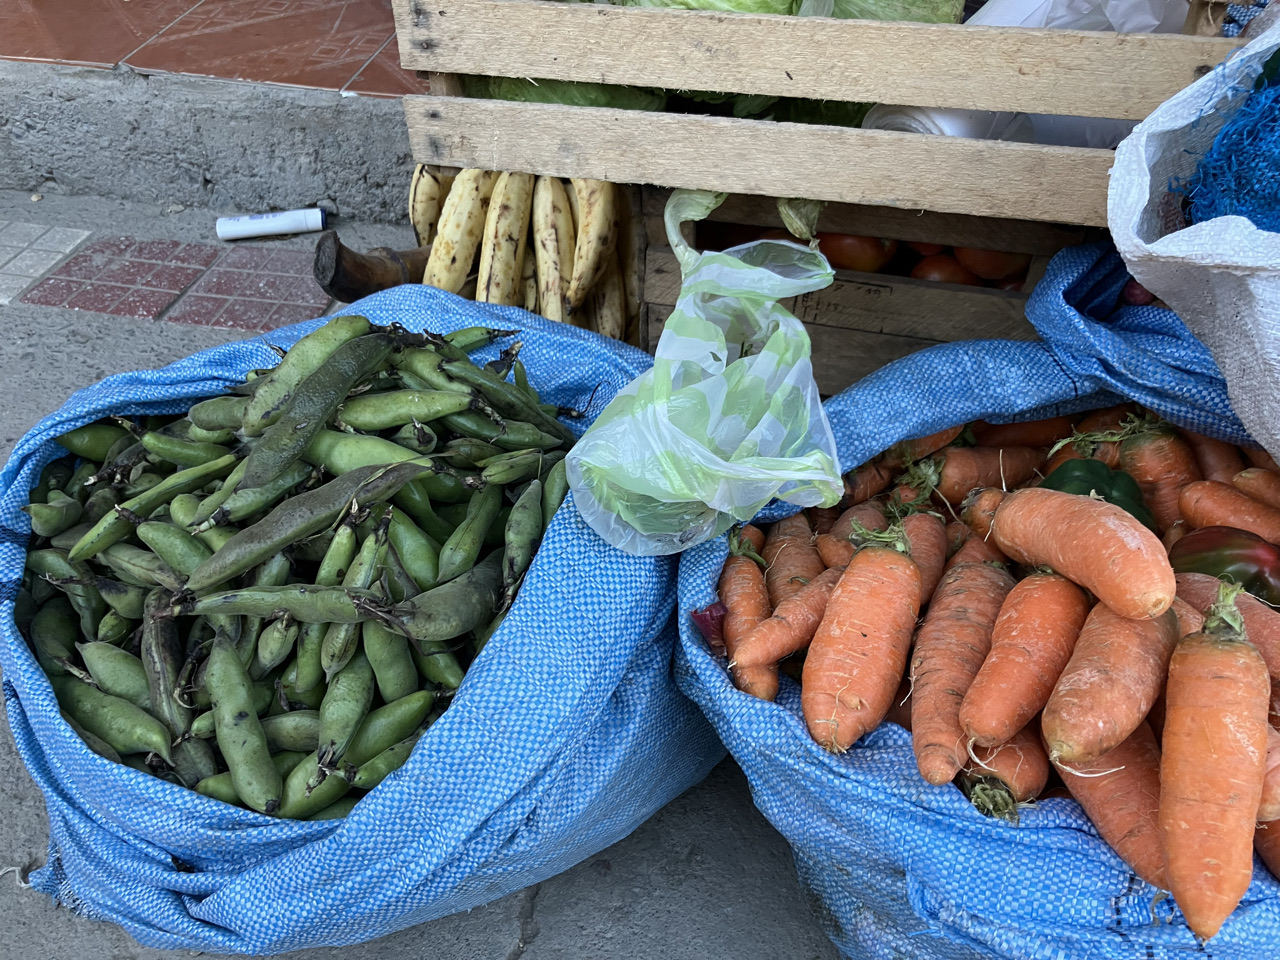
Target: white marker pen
(271, 224)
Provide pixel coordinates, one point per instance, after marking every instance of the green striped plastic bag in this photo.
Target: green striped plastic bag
(729, 416)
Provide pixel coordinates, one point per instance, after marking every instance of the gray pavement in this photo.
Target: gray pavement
(706, 877)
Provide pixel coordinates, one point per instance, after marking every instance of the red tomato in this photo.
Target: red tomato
(926, 249)
(944, 269)
(865, 254)
(992, 264)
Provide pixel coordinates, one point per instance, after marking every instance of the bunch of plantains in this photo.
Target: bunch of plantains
(270, 599)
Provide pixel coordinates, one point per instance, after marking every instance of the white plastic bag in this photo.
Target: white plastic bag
(728, 418)
(1221, 276)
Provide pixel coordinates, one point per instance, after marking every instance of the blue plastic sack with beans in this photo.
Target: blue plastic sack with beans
(567, 733)
(902, 869)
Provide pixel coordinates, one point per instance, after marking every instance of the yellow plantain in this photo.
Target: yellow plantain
(424, 203)
(553, 241)
(597, 237)
(610, 301)
(529, 280)
(506, 230)
(462, 219)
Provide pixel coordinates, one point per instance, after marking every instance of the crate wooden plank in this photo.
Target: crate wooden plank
(983, 178)
(948, 229)
(938, 65)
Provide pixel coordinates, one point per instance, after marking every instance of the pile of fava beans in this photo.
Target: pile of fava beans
(270, 599)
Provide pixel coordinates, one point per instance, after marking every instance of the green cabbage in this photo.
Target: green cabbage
(724, 6)
(564, 91)
(924, 11)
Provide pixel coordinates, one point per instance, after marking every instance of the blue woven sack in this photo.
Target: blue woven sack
(567, 733)
(902, 869)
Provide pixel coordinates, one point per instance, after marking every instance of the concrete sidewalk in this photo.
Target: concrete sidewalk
(706, 877)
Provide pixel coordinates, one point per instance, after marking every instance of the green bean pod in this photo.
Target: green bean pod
(422, 364)
(240, 736)
(53, 634)
(295, 730)
(466, 452)
(437, 663)
(55, 515)
(184, 453)
(183, 509)
(312, 405)
(453, 608)
(117, 672)
(240, 504)
(202, 726)
(342, 639)
(517, 467)
(341, 453)
(275, 391)
(140, 482)
(333, 568)
(100, 503)
(417, 437)
(219, 413)
(201, 435)
(303, 601)
(272, 572)
(372, 772)
(524, 527)
(78, 486)
(178, 549)
(555, 487)
(393, 667)
(54, 476)
(338, 810)
(126, 727)
(470, 339)
(139, 567)
(506, 398)
(484, 634)
(400, 585)
(416, 502)
(92, 441)
(275, 643)
(416, 551)
(394, 408)
(84, 597)
(344, 708)
(299, 517)
(113, 527)
(460, 551)
(115, 629)
(93, 741)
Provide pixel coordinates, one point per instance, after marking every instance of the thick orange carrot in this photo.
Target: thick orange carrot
(1098, 545)
(964, 469)
(1266, 841)
(1109, 684)
(1261, 622)
(1217, 459)
(976, 550)
(743, 593)
(1260, 458)
(792, 625)
(1209, 503)
(1162, 463)
(1107, 451)
(1029, 433)
(1031, 642)
(869, 515)
(979, 509)
(909, 451)
(752, 535)
(951, 645)
(1262, 485)
(1120, 793)
(958, 535)
(867, 480)
(1105, 418)
(926, 539)
(858, 654)
(791, 558)
(1269, 805)
(822, 518)
(1211, 769)
(998, 778)
(834, 551)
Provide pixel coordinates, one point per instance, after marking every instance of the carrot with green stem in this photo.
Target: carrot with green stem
(1261, 621)
(1031, 643)
(997, 780)
(1217, 459)
(1208, 503)
(950, 647)
(790, 557)
(1212, 766)
(857, 656)
(742, 591)
(868, 515)
(1097, 545)
(1115, 673)
(1120, 793)
(1162, 463)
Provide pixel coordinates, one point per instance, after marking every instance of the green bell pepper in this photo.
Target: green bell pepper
(1093, 477)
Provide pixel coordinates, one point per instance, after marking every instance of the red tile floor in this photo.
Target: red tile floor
(343, 45)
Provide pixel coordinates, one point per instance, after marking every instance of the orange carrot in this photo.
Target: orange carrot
(742, 591)
(1098, 545)
(792, 625)
(1190, 620)
(752, 535)
(1107, 451)
(976, 550)
(1260, 458)
(963, 469)
(909, 451)
(1162, 464)
(834, 551)
(1174, 533)
(1262, 485)
(1106, 418)
(1217, 459)
(1109, 684)
(997, 779)
(791, 558)
(858, 654)
(1269, 806)
(1031, 643)
(1120, 793)
(979, 509)
(867, 480)
(1212, 767)
(1209, 503)
(1028, 433)
(951, 645)
(926, 539)
(822, 518)
(1261, 622)
(869, 515)
(911, 495)
(1266, 841)
(957, 535)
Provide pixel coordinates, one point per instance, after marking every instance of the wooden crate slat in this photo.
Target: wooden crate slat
(948, 229)
(939, 65)
(909, 171)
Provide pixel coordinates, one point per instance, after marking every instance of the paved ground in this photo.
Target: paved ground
(705, 877)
